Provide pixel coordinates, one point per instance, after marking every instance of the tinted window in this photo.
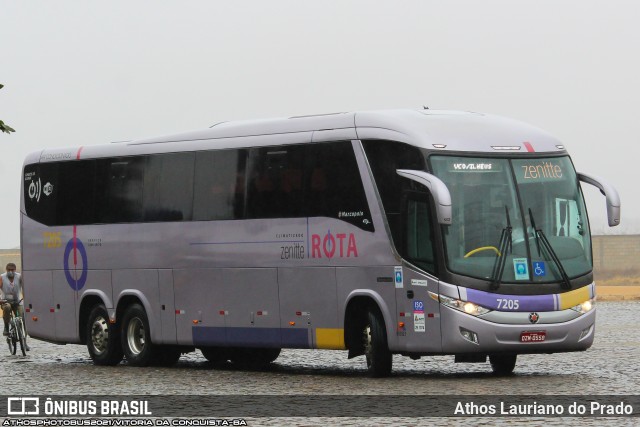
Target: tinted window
(40, 206)
(168, 187)
(417, 244)
(272, 182)
(334, 185)
(275, 182)
(74, 193)
(385, 157)
(119, 184)
(220, 185)
(310, 180)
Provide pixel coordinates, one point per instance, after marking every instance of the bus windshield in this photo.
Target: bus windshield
(530, 211)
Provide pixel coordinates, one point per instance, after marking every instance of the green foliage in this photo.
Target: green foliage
(5, 128)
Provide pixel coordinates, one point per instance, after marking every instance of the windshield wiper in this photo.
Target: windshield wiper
(541, 237)
(506, 243)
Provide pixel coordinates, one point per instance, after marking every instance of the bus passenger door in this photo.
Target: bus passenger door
(167, 306)
(416, 309)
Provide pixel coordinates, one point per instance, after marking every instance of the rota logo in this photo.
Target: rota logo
(330, 245)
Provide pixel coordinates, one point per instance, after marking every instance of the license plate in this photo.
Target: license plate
(538, 336)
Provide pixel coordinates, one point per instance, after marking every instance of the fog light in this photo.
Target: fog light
(469, 335)
(585, 333)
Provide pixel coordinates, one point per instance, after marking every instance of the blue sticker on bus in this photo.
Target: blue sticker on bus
(70, 272)
(539, 268)
(418, 305)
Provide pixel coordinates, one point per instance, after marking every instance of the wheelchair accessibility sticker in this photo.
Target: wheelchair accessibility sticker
(539, 268)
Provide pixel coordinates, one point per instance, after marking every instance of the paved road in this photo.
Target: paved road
(609, 367)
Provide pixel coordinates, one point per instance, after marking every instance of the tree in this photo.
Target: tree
(5, 128)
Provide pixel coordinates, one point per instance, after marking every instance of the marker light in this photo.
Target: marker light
(400, 324)
(464, 306)
(585, 307)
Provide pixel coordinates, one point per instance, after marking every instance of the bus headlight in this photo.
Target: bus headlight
(464, 306)
(585, 307)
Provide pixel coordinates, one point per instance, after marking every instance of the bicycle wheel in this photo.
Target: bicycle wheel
(21, 336)
(11, 338)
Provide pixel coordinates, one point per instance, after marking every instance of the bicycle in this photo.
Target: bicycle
(16, 330)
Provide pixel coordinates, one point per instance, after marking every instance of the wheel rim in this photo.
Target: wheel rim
(135, 336)
(100, 335)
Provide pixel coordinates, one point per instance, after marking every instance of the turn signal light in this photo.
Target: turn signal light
(34, 318)
(401, 324)
(292, 323)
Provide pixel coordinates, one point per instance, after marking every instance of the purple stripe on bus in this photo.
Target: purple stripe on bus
(511, 302)
(250, 337)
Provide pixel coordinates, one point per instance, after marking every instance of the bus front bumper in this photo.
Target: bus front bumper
(463, 333)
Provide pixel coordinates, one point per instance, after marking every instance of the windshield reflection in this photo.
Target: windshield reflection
(482, 190)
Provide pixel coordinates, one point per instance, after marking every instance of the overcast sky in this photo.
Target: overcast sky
(84, 73)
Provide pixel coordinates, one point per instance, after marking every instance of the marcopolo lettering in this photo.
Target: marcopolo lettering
(339, 245)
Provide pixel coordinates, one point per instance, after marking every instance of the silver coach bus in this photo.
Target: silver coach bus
(389, 232)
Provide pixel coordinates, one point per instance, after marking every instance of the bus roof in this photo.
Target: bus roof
(429, 129)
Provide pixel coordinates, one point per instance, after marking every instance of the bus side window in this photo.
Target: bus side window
(417, 239)
(119, 182)
(219, 185)
(274, 187)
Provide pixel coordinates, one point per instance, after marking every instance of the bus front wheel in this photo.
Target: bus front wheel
(503, 364)
(103, 341)
(376, 349)
(136, 337)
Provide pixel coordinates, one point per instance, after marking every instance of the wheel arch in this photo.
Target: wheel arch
(89, 300)
(357, 304)
(131, 296)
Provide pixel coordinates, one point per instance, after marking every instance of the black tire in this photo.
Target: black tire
(216, 355)
(21, 337)
(136, 337)
(254, 357)
(376, 350)
(167, 355)
(503, 364)
(103, 338)
(11, 341)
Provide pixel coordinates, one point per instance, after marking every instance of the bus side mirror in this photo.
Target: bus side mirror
(438, 190)
(613, 199)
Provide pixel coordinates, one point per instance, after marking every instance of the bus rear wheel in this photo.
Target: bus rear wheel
(503, 364)
(136, 337)
(103, 340)
(376, 349)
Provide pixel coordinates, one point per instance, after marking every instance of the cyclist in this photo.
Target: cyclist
(10, 290)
